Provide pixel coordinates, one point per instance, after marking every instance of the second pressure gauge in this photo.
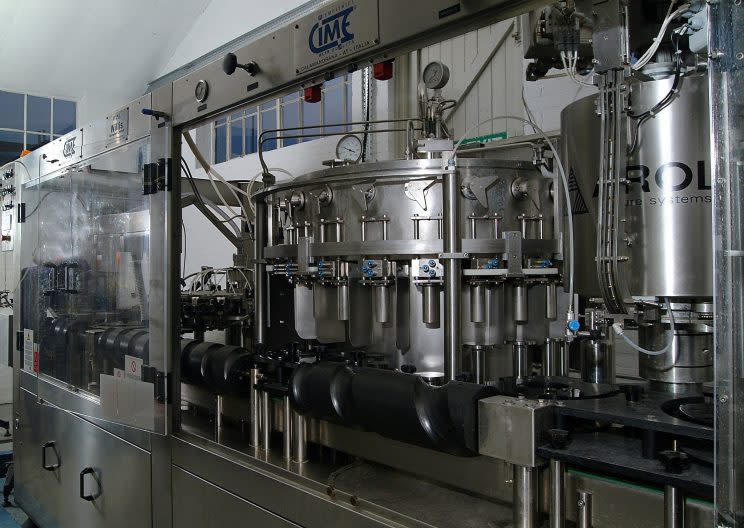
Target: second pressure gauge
(349, 149)
(436, 75)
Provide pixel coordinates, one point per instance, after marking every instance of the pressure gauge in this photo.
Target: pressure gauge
(201, 91)
(436, 75)
(349, 149)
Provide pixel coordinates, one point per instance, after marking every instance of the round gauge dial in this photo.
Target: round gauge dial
(201, 91)
(436, 75)
(349, 149)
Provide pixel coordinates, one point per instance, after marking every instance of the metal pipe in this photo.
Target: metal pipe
(342, 299)
(287, 423)
(480, 363)
(259, 275)
(478, 303)
(382, 304)
(265, 419)
(299, 438)
(584, 513)
(218, 417)
(557, 496)
(555, 361)
(521, 308)
(452, 275)
(551, 302)
(525, 498)
(430, 304)
(253, 395)
(520, 365)
(674, 507)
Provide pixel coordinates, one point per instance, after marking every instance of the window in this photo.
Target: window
(237, 134)
(30, 121)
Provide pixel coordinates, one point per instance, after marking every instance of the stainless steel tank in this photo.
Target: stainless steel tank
(668, 205)
(666, 220)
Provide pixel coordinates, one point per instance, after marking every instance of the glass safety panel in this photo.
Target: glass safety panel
(726, 20)
(94, 288)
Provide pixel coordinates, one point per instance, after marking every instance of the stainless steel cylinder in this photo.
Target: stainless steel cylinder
(255, 412)
(525, 498)
(430, 304)
(551, 302)
(478, 303)
(265, 400)
(688, 364)
(597, 362)
(382, 304)
(584, 509)
(520, 361)
(674, 508)
(521, 308)
(287, 426)
(557, 495)
(479, 360)
(299, 438)
(342, 299)
(555, 358)
(452, 275)
(259, 275)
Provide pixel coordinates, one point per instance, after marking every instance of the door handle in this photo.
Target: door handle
(83, 495)
(49, 467)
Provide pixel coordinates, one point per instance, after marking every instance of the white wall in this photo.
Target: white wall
(223, 21)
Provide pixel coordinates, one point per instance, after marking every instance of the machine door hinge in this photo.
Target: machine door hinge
(21, 213)
(161, 382)
(165, 172)
(150, 179)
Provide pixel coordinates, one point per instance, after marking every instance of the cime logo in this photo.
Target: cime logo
(68, 149)
(331, 31)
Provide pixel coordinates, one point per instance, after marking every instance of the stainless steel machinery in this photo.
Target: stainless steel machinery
(425, 340)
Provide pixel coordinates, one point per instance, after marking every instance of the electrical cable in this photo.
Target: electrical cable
(564, 179)
(651, 51)
(617, 327)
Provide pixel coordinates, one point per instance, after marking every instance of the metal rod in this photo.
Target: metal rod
(287, 423)
(555, 362)
(557, 495)
(584, 513)
(265, 419)
(452, 276)
(480, 363)
(218, 417)
(525, 498)
(260, 273)
(520, 366)
(255, 415)
(674, 507)
(299, 438)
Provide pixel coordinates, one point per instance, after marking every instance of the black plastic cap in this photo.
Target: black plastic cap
(230, 63)
(674, 461)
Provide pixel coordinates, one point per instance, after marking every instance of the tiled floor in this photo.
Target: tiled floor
(10, 517)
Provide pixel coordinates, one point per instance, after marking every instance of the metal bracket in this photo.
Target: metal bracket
(417, 190)
(454, 256)
(363, 194)
(476, 188)
(514, 253)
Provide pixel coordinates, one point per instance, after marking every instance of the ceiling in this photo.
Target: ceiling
(101, 53)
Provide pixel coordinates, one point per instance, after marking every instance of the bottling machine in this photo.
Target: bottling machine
(425, 340)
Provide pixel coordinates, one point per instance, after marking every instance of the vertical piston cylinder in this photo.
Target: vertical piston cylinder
(520, 304)
(342, 299)
(478, 303)
(430, 304)
(551, 302)
(382, 304)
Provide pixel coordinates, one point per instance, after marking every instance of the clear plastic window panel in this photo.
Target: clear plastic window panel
(89, 288)
(726, 20)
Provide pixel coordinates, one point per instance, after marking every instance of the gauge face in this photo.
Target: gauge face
(436, 75)
(349, 149)
(201, 92)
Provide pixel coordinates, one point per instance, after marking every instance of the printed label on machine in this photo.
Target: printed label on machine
(30, 352)
(133, 367)
(341, 31)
